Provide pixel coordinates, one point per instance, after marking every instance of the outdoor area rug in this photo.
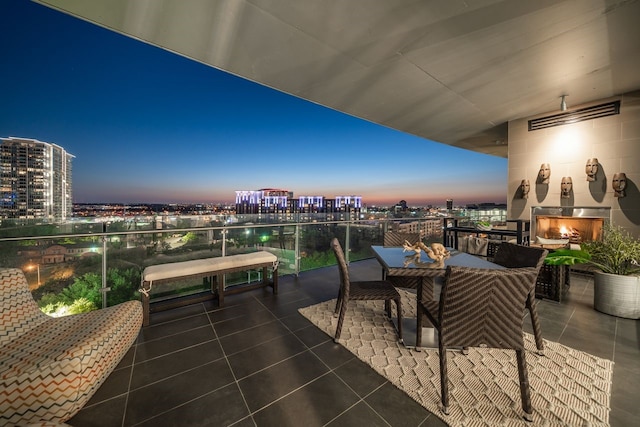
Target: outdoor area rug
(568, 387)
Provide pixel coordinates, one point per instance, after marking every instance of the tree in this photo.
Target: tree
(124, 284)
(190, 237)
(86, 286)
(85, 292)
(81, 305)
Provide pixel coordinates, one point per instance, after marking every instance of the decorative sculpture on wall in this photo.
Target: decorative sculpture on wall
(565, 187)
(619, 183)
(592, 169)
(525, 186)
(544, 173)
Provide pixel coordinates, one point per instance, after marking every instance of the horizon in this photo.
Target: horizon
(148, 126)
(233, 204)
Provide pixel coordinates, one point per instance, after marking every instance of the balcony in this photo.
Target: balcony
(257, 361)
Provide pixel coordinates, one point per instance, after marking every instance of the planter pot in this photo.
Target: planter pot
(617, 295)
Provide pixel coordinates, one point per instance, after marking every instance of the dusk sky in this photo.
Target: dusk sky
(147, 125)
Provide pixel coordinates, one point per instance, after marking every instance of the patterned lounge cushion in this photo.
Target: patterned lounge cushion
(50, 367)
(18, 310)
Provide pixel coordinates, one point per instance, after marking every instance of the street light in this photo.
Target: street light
(38, 268)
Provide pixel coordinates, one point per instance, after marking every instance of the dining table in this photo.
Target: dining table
(399, 261)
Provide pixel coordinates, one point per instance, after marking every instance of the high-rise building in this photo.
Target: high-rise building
(35, 180)
(449, 204)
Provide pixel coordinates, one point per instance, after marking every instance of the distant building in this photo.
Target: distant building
(267, 200)
(401, 206)
(492, 212)
(35, 180)
(352, 204)
(55, 254)
(311, 204)
(274, 201)
(429, 229)
(449, 204)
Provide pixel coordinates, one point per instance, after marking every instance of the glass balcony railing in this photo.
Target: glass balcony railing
(86, 265)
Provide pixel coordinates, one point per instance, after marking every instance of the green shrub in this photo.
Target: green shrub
(81, 305)
(617, 253)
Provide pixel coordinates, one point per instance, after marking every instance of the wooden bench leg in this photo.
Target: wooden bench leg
(265, 279)
(275, 281)
(145, 309)
(220, 281)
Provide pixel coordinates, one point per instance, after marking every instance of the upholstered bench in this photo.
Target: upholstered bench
(209, 267)
(50, 367)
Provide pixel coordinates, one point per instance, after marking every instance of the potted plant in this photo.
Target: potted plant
(617, 272)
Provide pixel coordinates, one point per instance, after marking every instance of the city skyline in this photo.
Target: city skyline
(149, 126)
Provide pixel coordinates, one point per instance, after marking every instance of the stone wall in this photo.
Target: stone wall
(613, 140)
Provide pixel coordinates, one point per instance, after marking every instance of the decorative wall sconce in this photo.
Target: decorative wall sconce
(544, 173)
(525, 186)
(592, 169)
(619, 183)
(565, 187)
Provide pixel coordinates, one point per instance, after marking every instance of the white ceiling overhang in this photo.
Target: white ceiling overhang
(452, 71)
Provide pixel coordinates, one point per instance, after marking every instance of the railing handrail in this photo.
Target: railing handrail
(211, 228)
(379, 225)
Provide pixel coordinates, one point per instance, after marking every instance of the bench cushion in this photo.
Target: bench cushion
(203, 266)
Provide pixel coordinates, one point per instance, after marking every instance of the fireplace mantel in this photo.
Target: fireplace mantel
(572, 211)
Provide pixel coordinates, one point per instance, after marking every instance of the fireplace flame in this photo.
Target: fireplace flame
(575, 228)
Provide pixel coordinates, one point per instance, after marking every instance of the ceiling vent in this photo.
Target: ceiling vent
(582, 114)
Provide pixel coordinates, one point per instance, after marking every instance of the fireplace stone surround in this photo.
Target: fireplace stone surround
(613, 140)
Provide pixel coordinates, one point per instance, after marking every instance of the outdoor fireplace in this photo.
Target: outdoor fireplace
(575, 224)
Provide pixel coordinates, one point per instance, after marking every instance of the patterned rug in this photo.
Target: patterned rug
(568, 387)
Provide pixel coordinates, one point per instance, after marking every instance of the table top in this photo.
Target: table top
(400, 262)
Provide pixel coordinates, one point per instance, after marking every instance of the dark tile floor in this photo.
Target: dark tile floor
(257, 362)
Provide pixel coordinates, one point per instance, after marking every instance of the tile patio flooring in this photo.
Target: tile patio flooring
(258, 362)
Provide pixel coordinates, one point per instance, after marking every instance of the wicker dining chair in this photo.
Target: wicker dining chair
(482, 308)
(393, 238)
(373, 290)
(511, 255)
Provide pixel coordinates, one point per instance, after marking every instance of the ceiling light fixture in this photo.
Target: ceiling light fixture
(563, 103)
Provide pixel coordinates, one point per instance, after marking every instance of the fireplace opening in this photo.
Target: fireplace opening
(574, 225)
(576, 230)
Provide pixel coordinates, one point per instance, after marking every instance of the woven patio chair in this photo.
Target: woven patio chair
(482, 308)
(511, 255)
(362, 291)
(393, 238)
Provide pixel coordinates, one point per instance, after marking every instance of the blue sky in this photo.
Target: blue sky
(150, 126)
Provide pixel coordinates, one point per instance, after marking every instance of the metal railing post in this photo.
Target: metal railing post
(224, 242)
(104, 288)
(347, 243)
(296, 254)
